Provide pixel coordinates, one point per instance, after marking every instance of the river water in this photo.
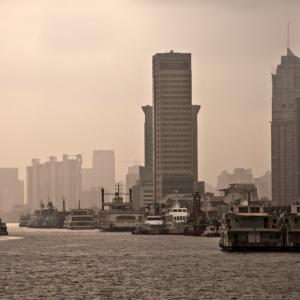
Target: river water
(61, 264)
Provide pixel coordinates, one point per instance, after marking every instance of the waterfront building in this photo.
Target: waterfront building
(11, 189)
(285, 131)
(174, 136)
(53, 181)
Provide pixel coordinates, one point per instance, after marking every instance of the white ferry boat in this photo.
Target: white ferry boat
(80, 219)
(176, 219)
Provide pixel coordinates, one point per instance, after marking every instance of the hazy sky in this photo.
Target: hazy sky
(74, 75)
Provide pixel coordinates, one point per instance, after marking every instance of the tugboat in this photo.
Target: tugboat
(151, 225)
(251, 228)
(3, 228)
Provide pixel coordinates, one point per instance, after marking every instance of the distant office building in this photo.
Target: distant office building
(173, 131)
(11, 189)
(131, 178)
(142, 191)
(243, 192)
(239, 175)
(101, 175)
(104, 169)
(285, 131)
(263, 185)
(54, 181)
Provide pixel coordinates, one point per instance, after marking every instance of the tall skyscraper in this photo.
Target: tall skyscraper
(173, 138)
(284, 131)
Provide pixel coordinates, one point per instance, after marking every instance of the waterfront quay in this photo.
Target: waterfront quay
(63, 264)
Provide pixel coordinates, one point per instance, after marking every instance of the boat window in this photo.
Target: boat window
(243, 209)
(175, 210)
(254, 209)
(298, 209)
(179, 210)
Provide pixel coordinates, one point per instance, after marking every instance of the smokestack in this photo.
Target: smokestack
(79, 204)
(102, 198)
(64, 205)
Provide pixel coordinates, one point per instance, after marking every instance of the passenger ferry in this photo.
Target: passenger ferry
(3, 228)
(176, 219)
(80, 219)
(251, 227)
(110, 220)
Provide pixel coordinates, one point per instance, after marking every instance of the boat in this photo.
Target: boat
(111, 220)
(81, 219)
(251, 228)
(46, 217)
(176, 219)
(153, 224)
(3, 228)
(118, 215)
(24, 220)
(211, 231)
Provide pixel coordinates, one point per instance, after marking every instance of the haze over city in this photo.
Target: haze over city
(74, 75)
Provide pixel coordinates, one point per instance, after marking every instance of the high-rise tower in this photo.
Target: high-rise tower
(173, 147)
(285, 131)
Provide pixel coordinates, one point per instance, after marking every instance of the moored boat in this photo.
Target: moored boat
(211, 231)
(151, 225)
(176, 219)
(251, 228)
(3, 228)
(81, 219)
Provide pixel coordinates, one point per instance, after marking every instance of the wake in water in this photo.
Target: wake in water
(9, 238)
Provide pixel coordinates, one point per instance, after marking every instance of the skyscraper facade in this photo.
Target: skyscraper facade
(53, 181)
(173, 139)
(148, 136)
(285, 132)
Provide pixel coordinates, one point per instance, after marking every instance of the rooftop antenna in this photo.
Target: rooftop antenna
(288, 35)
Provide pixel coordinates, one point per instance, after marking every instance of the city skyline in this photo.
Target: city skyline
(47, 99)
